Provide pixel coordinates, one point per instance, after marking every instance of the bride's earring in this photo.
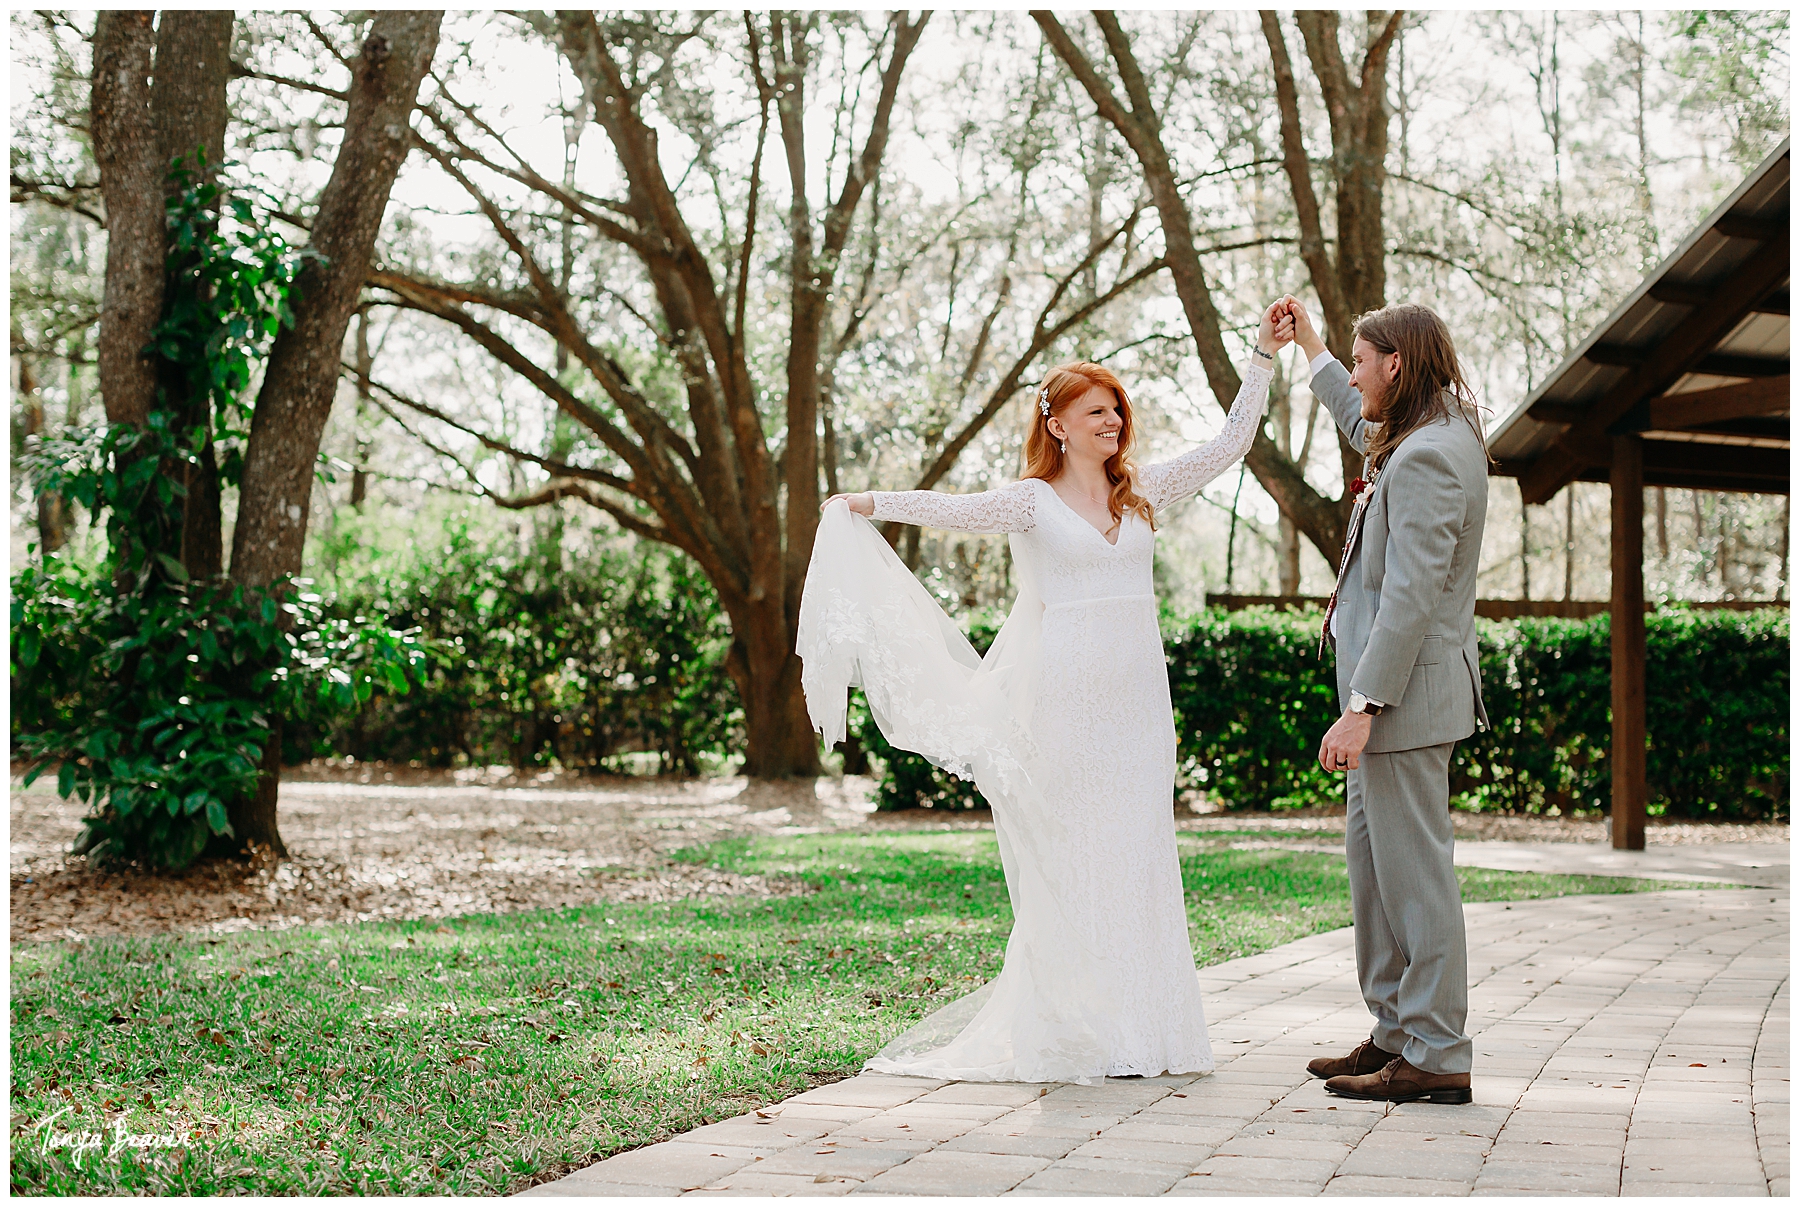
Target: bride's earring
(1065, 447)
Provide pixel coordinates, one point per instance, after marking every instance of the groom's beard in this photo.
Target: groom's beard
(1374, 405)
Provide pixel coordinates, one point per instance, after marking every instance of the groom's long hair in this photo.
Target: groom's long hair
(1431, 381)
(1043, 453)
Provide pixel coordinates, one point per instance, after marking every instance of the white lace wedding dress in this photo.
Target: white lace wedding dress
(1066, 728)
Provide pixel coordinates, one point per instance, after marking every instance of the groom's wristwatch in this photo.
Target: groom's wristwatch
(1361, 703)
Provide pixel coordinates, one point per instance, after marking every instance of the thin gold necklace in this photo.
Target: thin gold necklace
(1102, 503)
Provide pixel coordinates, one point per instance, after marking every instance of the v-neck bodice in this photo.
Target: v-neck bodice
(1071, 559)
(1120, 526)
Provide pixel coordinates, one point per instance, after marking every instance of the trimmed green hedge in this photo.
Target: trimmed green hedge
(1252, 700)
(533, 662)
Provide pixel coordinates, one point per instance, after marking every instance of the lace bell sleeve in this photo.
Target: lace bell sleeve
(1170, 481)
(1010, 508)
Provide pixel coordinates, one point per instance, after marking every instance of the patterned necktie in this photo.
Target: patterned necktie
(1362, 491)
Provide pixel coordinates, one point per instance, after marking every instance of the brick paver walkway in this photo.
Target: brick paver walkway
(1624, 1044)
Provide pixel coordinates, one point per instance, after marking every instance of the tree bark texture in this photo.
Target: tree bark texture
(1135, 117)
(188, 108)
(302, 374)
(301, 377)
(131, 176)
(187, 97)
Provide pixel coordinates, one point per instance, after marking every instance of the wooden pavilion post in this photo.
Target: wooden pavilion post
(1630, 787)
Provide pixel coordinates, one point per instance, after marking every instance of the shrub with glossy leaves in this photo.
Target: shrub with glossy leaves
(580, 660)
(154, 706)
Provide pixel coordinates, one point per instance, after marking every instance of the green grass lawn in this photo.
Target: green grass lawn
(484, 1054)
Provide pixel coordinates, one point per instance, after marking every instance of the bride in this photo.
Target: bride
(1065, 726)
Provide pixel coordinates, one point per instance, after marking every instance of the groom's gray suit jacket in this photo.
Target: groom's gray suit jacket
(1406, 609)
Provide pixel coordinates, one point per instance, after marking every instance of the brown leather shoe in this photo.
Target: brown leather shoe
(1364, 1058)
(1400, 1082)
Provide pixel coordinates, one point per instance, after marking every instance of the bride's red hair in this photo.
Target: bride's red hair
(1044, 458)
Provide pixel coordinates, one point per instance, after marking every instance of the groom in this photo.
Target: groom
(1402, 619)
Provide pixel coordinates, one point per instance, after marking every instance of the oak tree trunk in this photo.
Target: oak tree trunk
(301, 378)
(717, 491)
(131, 172)
(780, 741)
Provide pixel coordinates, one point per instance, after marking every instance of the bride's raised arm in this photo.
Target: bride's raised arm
(1170, 481)
(1009, 508)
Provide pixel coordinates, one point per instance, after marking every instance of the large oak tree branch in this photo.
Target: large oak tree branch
(654, 430)
(1083, 70)
(668, 494)
(1299, 173)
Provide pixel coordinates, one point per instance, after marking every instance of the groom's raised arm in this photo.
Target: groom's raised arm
(1330, 379)
(1331, 384)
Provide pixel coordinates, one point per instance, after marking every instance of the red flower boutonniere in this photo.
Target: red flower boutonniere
(1356, 486)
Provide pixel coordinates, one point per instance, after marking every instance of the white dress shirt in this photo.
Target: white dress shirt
(1319, 362)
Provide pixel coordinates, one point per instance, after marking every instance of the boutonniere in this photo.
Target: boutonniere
(1357, 485)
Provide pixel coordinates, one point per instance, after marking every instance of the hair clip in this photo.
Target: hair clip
(1044, 400)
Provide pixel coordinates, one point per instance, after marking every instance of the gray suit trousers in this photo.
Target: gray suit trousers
(1411, 955)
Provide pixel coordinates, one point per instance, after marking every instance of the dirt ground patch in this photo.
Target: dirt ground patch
(362, 850)
(371, 842)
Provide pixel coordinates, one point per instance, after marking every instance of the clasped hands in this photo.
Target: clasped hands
(1286, 322)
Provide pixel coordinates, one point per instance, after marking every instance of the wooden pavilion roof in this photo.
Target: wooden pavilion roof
(1695, 361)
